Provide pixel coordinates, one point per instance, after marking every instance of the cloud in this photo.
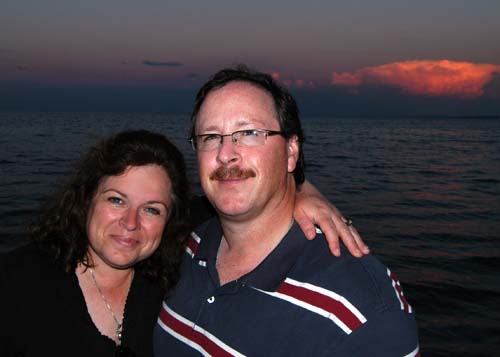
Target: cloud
(421, 77)
(298, 83)
(291, 82)
(162, 64)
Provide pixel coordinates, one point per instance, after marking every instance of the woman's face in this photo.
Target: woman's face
(127, 216)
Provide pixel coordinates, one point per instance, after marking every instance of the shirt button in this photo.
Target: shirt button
(211, 299)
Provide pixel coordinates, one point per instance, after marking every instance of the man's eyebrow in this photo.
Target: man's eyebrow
(238, 125)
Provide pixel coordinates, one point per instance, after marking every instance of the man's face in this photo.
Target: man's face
(241, 182)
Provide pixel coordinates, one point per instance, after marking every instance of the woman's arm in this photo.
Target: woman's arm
(312, 208)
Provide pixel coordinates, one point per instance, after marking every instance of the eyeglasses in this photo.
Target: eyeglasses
(248, 137)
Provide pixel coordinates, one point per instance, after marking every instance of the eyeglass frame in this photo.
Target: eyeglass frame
(192, 139)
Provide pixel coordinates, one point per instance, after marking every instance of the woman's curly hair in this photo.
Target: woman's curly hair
(61, 229)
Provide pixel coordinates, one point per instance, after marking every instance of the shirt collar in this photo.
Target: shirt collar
(272, 271)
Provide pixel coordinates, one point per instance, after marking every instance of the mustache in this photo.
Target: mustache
(224, 173)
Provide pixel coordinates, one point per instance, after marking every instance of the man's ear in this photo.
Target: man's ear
(293, 152)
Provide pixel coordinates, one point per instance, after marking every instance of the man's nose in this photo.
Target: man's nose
(227, 152)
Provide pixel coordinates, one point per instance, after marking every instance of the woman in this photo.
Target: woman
(103, 255)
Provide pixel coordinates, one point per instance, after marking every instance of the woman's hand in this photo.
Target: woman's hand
(312, 208)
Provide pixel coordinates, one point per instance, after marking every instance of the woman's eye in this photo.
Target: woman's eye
(115, 200)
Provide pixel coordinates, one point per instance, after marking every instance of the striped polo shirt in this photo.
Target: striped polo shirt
(300, 301)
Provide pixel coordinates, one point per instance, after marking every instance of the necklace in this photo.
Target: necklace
(119, 326)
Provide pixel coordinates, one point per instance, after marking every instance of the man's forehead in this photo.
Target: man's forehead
(241, 103)
(242, 90)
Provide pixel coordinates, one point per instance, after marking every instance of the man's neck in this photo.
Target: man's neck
(246, 243)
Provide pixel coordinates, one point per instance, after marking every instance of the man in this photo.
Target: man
(251, 283)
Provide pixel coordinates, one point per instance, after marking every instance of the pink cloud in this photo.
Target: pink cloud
(419, 77)
(289, 82)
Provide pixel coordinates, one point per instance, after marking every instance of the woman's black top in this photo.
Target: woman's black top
(43, 311)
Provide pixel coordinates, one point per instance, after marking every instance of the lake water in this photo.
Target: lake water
(424, 194)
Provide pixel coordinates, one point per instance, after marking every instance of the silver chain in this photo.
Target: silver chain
(119, 326)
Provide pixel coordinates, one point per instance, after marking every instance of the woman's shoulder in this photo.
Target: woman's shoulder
(22, 252)
(29, 260)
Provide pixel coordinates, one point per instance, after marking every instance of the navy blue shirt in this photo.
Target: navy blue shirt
(299, 301)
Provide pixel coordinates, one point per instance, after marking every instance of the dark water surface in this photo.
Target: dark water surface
(424, 194)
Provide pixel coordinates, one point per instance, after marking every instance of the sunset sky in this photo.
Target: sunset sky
(386, 57)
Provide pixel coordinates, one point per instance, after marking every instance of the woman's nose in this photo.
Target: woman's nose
(130, 219)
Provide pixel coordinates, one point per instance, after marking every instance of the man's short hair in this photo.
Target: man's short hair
(285, 105)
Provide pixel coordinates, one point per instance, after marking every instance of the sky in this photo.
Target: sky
(344, 58)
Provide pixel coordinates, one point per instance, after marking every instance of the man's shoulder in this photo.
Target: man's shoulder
(365, 281)
(362, 293)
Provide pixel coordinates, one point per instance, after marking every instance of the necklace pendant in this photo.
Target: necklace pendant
(119, 326)
(119, 330)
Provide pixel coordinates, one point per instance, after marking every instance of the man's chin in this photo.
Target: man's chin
(232, 210)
